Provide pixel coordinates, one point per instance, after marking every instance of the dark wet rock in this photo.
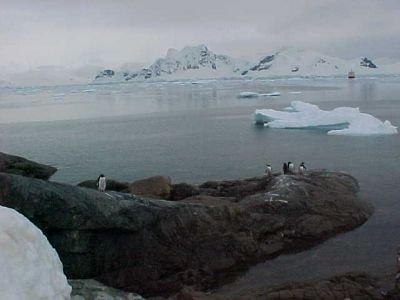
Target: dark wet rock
(155, 247)
(183, 190)
(112, 185)
(155, 187)
(234, 188)
(21, 166)
(350, 286)
(346, 286)
(211, 200)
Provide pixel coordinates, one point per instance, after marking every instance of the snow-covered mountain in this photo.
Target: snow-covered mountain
(189, 63)
(299, 62)
(201, 63)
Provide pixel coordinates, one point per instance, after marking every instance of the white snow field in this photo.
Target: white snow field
(29, 266)
(339, 121)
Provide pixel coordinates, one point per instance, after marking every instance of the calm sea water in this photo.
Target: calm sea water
(200, 131)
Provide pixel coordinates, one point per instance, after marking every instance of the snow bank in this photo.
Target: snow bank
(29, 266)
(339, 121)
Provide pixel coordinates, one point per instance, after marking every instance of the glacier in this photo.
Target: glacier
(339, 121)
(29, 266)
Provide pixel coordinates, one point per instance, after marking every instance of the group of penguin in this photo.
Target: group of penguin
(288, 168)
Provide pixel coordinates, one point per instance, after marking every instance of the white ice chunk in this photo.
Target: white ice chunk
(29, 266)
(273, 94)
(339, 121)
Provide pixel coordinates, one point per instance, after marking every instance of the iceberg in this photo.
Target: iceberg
(339, 121)
(29, 266)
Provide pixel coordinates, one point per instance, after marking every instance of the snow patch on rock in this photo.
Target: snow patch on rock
(29, 266)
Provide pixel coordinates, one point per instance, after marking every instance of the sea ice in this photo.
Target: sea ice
(273, 94)
(29, 266)
(339, 121)
(254, 95)
(248, 95)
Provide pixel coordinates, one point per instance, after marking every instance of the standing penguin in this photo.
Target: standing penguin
(268, 170)
(302, 168)
(101, 183)
(285, 168)
(290, 167)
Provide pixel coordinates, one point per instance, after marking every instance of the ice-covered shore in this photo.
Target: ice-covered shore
(29, 266)
(339, 121)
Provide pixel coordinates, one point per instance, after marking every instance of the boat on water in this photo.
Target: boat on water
(351, 75)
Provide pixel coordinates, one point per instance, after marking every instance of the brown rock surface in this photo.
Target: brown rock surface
(158, 187)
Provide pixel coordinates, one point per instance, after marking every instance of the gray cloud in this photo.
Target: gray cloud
(54, 32)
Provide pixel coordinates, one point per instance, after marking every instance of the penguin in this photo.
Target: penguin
(268, 170)
(302, 168)
(290, 167)
(285, 168)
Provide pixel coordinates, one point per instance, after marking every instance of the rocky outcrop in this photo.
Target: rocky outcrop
(348, 286)
(89, 289)
(235, 189)
(264, 64)
(367, 63)
(105, 73)
(155, 187)
(345, 286)
(180, 191)
(21, 166)
(155, 247)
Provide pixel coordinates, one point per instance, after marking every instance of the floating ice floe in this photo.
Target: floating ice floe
(29, 266)
(248, 95)
(339, 121)
(254, 95)
(273, 94)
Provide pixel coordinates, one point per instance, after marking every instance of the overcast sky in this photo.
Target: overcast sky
(79, 32)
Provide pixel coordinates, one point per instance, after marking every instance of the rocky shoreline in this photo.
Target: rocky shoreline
(157, 238)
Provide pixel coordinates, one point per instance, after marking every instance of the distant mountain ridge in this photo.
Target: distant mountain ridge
(187, 63)
(200, 63)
